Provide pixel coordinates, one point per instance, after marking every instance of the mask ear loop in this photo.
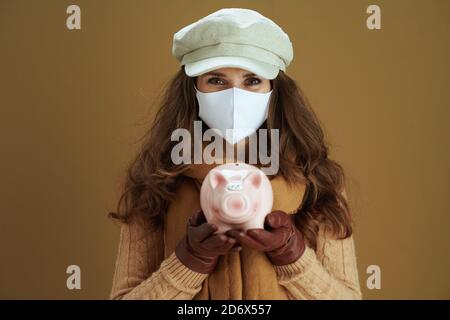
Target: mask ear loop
(194, 80)
(197, 90)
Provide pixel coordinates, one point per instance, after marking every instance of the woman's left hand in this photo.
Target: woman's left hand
(281, 240)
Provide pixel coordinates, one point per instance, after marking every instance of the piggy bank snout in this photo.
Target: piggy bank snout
(235, 207)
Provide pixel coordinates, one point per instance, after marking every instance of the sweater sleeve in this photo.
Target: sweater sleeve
(141, 272)
(328, 273)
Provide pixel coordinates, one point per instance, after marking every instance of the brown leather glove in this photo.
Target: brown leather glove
(200, 248)
(280, 240)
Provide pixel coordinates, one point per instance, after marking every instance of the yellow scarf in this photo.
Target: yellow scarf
(247, 274)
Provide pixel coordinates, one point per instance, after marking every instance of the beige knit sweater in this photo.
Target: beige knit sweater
(330, 272)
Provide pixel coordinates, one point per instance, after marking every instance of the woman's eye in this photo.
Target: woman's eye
(216, 81)
(253, 81)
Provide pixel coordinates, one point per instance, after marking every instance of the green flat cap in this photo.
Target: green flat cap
(233, 37)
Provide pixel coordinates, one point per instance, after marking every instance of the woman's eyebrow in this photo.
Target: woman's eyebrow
(213, 73)
(218, 74)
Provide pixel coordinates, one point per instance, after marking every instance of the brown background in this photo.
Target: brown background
(74, 103)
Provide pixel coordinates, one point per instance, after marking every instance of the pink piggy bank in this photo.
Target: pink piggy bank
(236, 195)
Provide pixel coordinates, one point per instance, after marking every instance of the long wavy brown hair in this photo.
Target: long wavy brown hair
(151, 178)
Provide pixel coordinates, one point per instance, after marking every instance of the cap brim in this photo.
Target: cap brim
(261, 69)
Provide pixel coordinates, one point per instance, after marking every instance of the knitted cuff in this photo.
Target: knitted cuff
(301, 266)
(181, 276)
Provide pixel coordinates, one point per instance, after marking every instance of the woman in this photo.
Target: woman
(167, 249)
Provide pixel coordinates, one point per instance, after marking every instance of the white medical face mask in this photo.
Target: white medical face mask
(240, 111)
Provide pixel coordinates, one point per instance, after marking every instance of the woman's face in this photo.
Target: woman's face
(225, 78)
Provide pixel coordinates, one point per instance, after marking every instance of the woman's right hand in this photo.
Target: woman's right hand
(200, 248)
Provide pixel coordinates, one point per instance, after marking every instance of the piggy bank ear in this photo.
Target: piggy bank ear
(254, 179)
(217, 179)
